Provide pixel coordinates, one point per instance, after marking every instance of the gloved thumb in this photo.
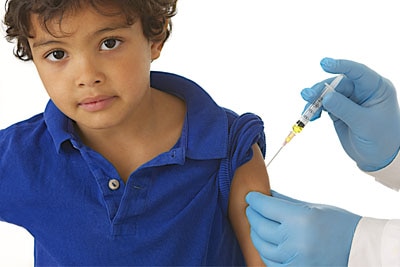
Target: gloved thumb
(289, 199)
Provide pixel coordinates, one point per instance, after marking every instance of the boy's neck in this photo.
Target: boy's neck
(132, 144)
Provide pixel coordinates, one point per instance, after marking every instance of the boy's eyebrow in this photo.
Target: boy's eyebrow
(98, 32)
(112, 28)
(45, 43)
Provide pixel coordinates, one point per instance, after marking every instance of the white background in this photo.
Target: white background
(256, 55)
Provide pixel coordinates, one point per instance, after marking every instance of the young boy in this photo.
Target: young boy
(125, 166)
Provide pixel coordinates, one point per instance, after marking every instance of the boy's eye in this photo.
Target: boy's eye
(56, 55)
(110, 44)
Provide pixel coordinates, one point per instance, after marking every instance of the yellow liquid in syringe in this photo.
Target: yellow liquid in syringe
(296, 128)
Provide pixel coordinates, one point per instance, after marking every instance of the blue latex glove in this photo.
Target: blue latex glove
(365, 112)
(288, 232)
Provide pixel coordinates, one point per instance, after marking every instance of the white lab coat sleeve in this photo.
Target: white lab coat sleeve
(376, 242)
(390, 175)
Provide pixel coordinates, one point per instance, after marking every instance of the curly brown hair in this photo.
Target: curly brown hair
(155, 16)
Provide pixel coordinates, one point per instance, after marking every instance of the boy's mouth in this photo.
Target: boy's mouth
(98, 103)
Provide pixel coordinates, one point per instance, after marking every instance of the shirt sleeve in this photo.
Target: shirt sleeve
(244, 131)
(390, 175)
(376, 242)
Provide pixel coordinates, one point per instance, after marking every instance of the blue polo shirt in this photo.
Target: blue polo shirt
(171, 211)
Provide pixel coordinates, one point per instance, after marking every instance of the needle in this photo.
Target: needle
(276, 154)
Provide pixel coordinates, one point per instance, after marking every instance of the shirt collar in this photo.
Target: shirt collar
(59, 126)
(206, 124)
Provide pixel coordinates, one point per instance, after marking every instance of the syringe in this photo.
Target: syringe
(308, 114)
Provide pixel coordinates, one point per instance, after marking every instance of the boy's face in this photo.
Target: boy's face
(94, 67)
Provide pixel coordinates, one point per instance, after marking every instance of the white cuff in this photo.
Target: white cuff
(366, 243)
(376, 242)
(390, 175)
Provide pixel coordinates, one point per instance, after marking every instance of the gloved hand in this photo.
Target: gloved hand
(288, 232)
(365, 113)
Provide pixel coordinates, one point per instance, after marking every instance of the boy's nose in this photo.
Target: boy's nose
(89, 73)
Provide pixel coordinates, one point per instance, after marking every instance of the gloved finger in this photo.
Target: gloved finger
(344, 109)
(268, 251)
(266, 229)
(270, 263)
(272, 208)
(311, 94)
(365, 79)
(345, 87)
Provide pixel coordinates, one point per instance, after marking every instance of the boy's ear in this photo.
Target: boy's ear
(156, 48)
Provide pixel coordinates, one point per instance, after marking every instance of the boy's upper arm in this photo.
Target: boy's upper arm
(251, 176)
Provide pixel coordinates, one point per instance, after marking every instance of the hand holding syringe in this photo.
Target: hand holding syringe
(309, 113)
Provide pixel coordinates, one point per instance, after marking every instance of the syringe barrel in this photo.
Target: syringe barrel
(316, 105)
(312, 109)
